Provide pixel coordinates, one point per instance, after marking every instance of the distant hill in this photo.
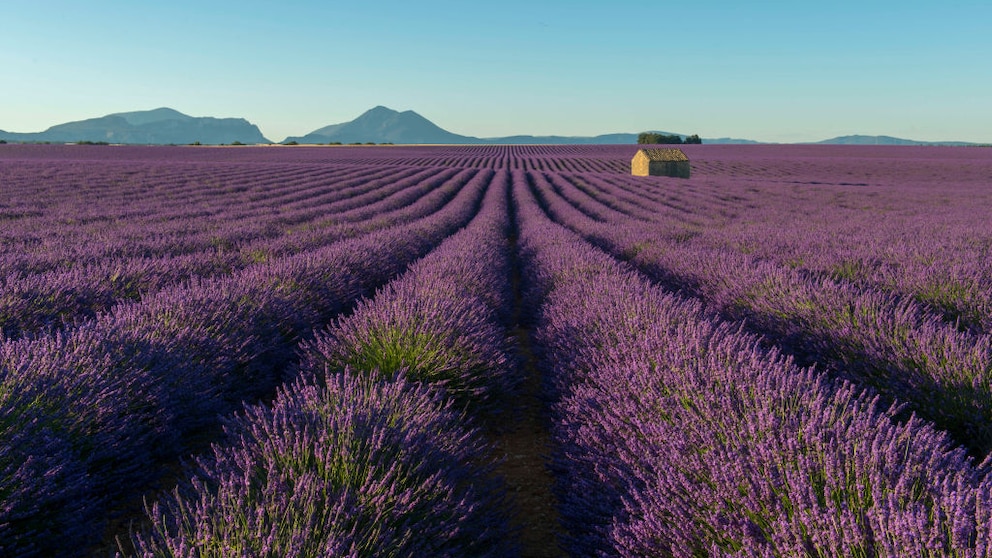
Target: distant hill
(385, 125)
(377, 125)
(604, 139)
(158, 126)
(884, 140)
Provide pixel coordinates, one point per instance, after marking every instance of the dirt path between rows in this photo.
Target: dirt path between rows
(525, 444)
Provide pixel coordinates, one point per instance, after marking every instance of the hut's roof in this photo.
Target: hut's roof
(664, 154)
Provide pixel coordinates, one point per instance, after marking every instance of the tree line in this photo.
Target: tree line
(655, 137)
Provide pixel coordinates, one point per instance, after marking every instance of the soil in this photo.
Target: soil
(525, 445)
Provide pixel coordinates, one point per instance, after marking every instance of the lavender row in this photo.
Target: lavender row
(959, 289)
(873, 338)
(350, 466)
(118, 213)
(909, 221)
(419, 195)
(937, 251)
(34, 303)
(918, 237)
(88, 202)
(40, 300)
(364, 453)
(575, 158)
(123, 215)
(442, 323)
(104, 407)
(678, 435)
(608, 199)
(746, 164)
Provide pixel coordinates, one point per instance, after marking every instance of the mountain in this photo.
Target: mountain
(156, 115)
(384, 125)
(884, 140)
(377, 125)
(158, 126)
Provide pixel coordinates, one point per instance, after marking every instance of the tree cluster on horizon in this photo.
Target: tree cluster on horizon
(657, 138)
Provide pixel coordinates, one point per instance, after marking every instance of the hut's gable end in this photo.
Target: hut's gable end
(640, 164)
(660, 162)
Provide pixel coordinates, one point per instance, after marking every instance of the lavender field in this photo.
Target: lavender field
(495, 351)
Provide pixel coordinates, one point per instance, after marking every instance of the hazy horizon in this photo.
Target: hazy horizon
(774, 72)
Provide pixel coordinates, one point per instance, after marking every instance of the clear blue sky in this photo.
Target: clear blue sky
(776, 71)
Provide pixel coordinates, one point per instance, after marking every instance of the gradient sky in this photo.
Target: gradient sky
(777, 71)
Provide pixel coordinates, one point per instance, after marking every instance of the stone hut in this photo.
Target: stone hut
(660, 162)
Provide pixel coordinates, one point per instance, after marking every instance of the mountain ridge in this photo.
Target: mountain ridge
(859, 139)
(384, 125)
(157, 126)
(408, 127)
(377, 125)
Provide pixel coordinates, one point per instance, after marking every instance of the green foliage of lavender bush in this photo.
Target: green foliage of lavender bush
(443, 341)
(439, 323)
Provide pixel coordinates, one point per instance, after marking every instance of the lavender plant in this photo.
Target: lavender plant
(143, 291)
(360, 466)
(38, 302)
(440, 322)
(127, 389)
(880, 340)
(680, 436)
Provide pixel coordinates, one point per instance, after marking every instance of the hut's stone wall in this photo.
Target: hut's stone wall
(660, 162)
